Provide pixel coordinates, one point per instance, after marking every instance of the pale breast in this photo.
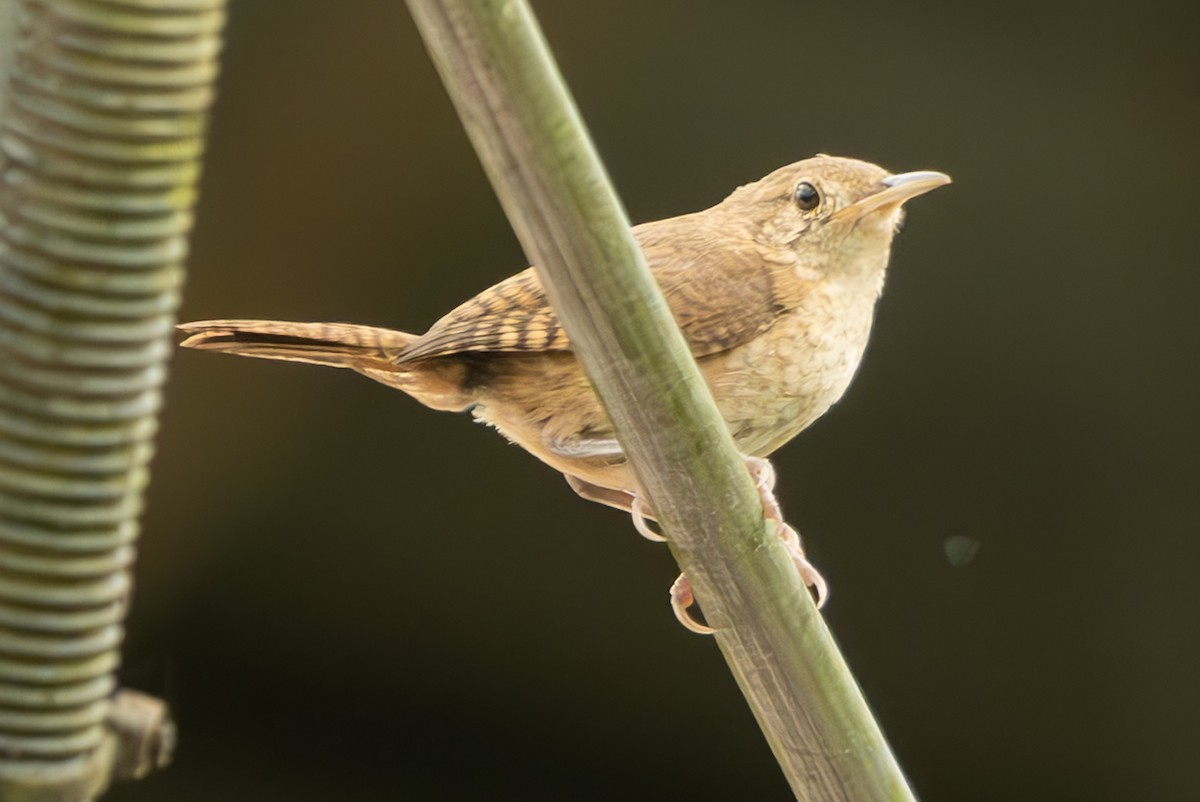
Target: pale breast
(773, 387)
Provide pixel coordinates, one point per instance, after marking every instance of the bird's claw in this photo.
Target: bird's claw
(641, 517)
(681, 600)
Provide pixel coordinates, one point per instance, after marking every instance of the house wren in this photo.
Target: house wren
(774, 289)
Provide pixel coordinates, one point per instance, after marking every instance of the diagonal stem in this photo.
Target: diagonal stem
(524, 125)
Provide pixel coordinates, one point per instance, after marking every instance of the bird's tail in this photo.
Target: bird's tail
(339, 345)
(376, 353)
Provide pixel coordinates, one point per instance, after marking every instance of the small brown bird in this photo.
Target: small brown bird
(774, 288)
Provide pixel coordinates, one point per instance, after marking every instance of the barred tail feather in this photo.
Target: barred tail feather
(340, 345)
(378, 354)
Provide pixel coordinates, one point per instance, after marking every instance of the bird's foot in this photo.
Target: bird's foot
(808, 572)
(763, 473)
(681, 589)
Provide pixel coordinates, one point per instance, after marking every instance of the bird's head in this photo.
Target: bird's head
(834, 215)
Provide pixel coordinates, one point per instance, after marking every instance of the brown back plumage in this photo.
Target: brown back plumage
(720, 297)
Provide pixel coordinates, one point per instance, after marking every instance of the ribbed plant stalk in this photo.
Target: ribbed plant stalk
(101, 134)
(529, 136)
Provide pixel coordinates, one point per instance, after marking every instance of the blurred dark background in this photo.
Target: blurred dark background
(347, 596)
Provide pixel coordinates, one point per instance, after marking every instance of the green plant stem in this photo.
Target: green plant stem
(529, 136)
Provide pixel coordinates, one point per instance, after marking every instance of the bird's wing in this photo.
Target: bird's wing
(720, 297)
(512, 316)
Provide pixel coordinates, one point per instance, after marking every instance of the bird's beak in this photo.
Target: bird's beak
(896, 190)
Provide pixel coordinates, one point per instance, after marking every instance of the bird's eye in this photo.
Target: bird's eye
(807, 197)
